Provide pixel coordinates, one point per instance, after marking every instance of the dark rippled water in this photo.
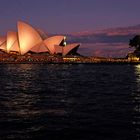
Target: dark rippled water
(70, 102)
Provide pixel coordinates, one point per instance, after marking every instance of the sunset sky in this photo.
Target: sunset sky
(67, 16)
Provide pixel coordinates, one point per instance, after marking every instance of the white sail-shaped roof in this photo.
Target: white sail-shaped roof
(28, 37)
(11, 39)
(58, 49)
(15, 47)
(2, 40)
(69, 48)
(52, 41)
(41, 47)
(3, 46)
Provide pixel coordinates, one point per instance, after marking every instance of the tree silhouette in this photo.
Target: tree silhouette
(135, 42)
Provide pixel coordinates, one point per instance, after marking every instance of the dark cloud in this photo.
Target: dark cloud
(111, 42)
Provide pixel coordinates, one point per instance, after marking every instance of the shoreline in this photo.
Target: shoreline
(44, 59)
(76, 63)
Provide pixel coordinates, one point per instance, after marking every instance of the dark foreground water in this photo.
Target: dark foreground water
(70, 102)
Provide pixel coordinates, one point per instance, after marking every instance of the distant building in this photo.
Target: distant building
(133, 57)
(28, 39)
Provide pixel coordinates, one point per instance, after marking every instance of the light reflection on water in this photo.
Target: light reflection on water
(20, 78)
(93, 101)
(136, 101)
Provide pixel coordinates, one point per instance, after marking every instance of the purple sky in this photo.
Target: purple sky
(66, 16)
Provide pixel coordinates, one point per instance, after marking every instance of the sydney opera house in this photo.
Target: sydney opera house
(29, 40)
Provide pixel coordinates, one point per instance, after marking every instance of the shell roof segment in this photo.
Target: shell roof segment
(52, 41)
(28, 37)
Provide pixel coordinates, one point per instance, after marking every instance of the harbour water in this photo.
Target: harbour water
(70, 102)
